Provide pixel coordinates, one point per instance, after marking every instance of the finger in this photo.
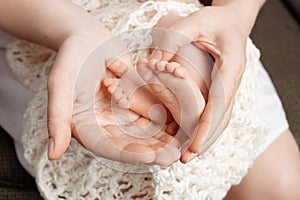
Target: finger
(167, 42)
(119, 66)
(172, 128)
(212, 118)
(167, 139)
(61, 85)
(152, 135)
(142, 61)
(123, 134)
(221, 94)
(166, 147)
(102, 143)
(187, 156)
(60, 104)
(118, 58)
(165, 154)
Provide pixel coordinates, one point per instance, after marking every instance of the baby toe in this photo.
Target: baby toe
(170, 67)
(118, 94)
(117, 67)
(152, 64)
(161, 66)
(124, 103)
(180, 72)
(142, 61)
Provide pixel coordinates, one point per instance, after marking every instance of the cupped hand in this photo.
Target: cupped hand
(216, 30)
(79, 104)
(121, 135)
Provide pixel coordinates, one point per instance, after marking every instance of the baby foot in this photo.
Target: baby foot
(131, 92)
(175, 87)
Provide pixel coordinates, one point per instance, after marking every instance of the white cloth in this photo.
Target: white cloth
(269, 107)
(79, 175)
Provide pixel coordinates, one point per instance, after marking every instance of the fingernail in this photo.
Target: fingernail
(109, 61)
(191, 157)
(156, 54)
(50, 146)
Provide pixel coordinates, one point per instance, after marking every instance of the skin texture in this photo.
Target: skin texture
(206, 30)
(174, 87)
(275, 174)
(71, 25)
(76, 34)
(178, 85)
(67, 29)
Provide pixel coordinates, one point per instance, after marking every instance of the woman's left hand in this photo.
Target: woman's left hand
(219, 31)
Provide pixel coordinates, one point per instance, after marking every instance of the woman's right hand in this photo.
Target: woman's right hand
(78, 103)
(75, 34)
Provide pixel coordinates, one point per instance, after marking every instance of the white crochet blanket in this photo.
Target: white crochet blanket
(79, 175)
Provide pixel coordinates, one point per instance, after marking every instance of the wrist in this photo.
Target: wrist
(90, 29)
(83, 27)
(243, 12)
(48, 22)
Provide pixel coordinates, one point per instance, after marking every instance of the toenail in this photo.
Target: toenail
(191, 157)
(175, 64)
(179, 73)
(106, 82)
(153, 61)
(157, 54)
(160, 66)
(109, 61)
(111, 89)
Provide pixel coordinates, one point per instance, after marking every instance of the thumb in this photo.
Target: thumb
(160, 54)
(60, 105)
(166, 42)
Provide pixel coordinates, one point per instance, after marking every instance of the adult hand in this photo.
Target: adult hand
(63, 26)
(216, 30)
(79, 104)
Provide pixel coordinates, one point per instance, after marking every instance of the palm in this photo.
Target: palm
(119, 134)
(226, 43)
(76, 77)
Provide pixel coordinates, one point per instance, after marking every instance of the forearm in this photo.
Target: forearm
(246, 11)
(48, 22)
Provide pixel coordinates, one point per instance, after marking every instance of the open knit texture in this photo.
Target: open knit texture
(80, 175)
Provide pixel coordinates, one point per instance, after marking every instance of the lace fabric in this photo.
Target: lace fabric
(80, 175)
